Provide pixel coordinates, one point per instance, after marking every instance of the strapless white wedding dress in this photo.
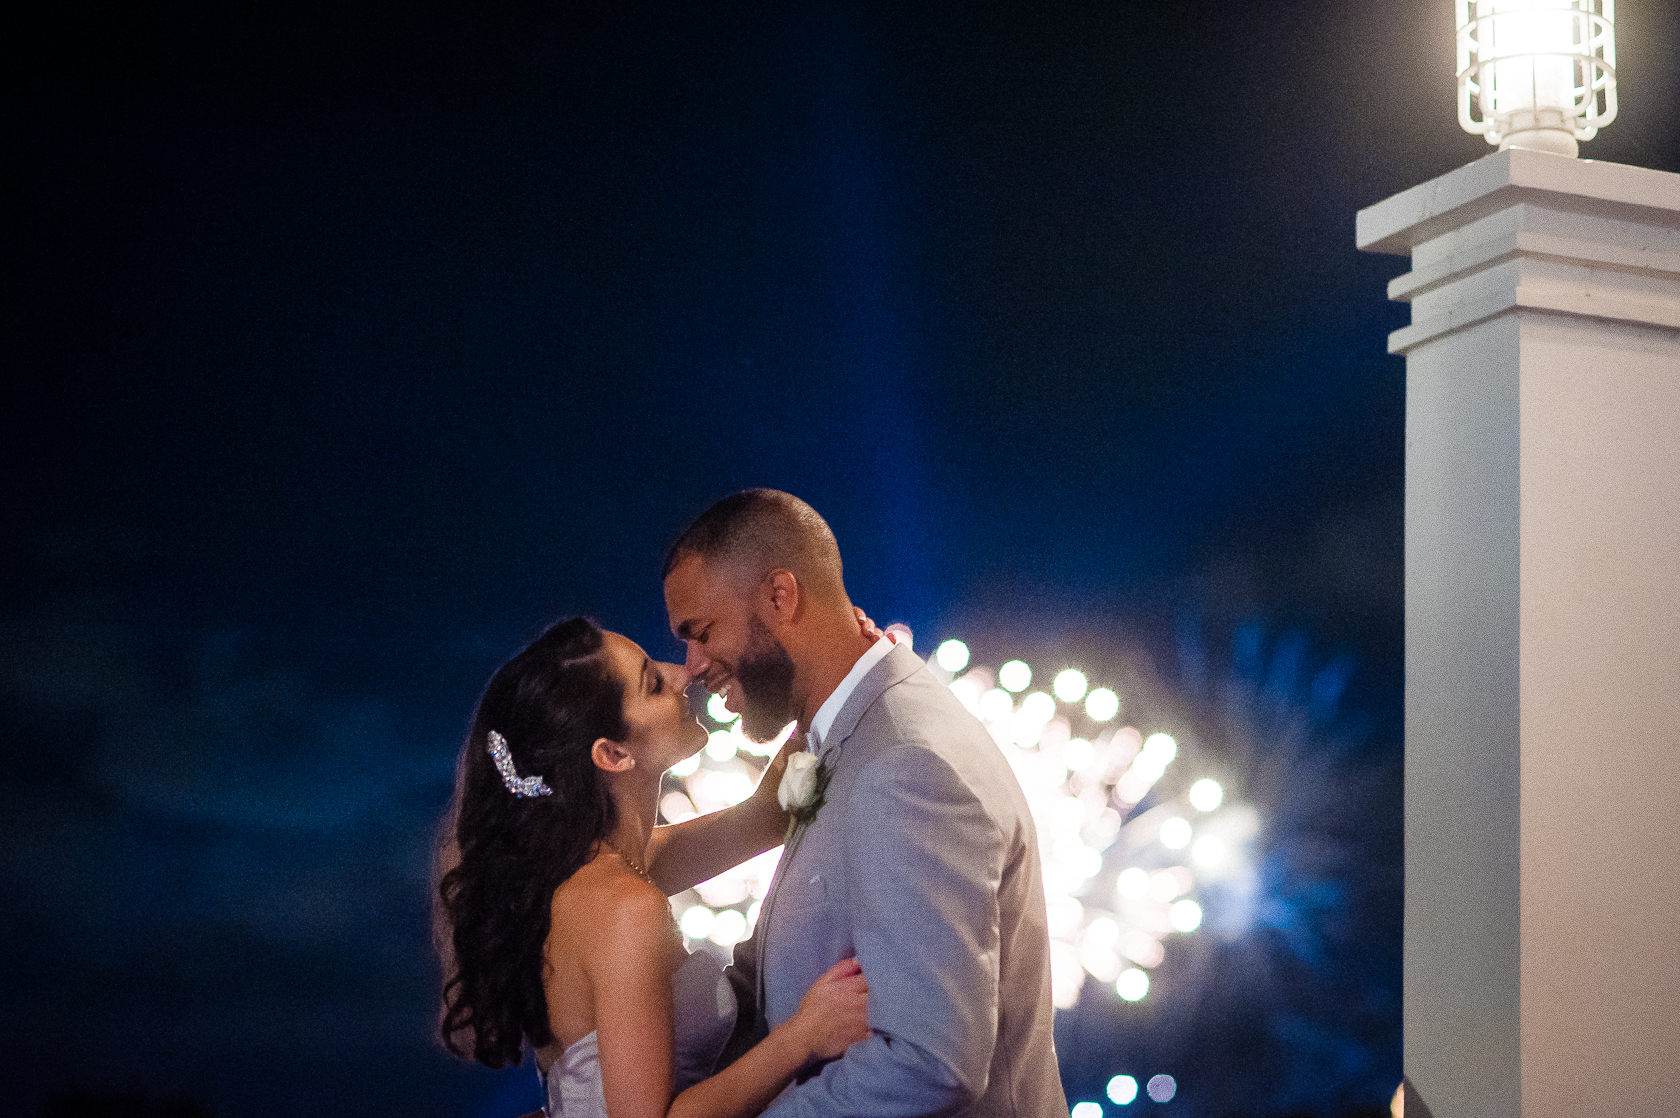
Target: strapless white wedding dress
(704, 1005)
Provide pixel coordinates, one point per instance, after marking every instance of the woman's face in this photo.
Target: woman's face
(660, 728)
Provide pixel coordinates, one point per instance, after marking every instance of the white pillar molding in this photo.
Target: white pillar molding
(1542, 927)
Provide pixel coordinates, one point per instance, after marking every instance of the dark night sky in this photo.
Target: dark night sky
(347, 349)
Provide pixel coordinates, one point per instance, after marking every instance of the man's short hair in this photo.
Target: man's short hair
(756, 531)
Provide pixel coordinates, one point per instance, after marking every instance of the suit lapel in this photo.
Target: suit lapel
(769, 906)
(895, 667)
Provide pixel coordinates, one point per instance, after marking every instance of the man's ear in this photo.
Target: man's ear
(779, 598)
(610, 756)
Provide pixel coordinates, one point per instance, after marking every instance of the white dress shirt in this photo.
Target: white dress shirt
(826, 714)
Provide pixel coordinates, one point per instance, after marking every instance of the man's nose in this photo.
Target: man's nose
(695, 660)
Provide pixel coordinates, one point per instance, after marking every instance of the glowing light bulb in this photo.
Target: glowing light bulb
(1102, 704)
(1540, 73)
(952, 655)
(1014, 675)
(1070, 685)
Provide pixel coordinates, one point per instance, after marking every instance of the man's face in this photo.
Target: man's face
(730, 649)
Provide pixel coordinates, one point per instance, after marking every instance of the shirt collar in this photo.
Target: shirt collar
(830, 709)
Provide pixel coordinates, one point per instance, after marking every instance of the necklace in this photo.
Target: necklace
(634, 866)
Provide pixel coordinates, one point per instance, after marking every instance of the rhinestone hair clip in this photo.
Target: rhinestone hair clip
(524, 787)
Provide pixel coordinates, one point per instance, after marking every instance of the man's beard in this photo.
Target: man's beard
(765, 677)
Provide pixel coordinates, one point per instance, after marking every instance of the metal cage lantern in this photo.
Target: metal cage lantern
(1537, 74)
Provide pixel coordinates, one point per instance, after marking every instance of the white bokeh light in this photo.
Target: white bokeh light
(676, 807)
(1086, 1110)
(1077, 754)
(697, 921)
(1014, 676)
(952, 655)
(722, 745)
(1067, 974)
(1206, 794)
(1039, 707)
(996, 705)
(1175, 833)
(1133, 883)
(1162, 1088)
(1160, 748)
(1122, 1090)
(687, 767)
(1142, 948)
(1070, 685)
(1186, 916)
(1208, 851)
(1102, 704)
(1132, 985)
(728, 928)
(730, 887)
(718, 712)
(967, 694)
(1174, 881)
(715, 789)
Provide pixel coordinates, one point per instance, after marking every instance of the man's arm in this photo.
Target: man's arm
(923, 865)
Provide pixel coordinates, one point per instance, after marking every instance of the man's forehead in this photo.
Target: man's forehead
(692, 590)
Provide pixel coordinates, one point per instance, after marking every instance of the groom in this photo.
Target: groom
(920, 859)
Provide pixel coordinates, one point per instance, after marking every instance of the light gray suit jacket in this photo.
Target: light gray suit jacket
(923, 863)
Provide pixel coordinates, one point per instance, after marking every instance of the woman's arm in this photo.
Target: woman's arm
(629, 966)
(684, 854)
(831, 1017)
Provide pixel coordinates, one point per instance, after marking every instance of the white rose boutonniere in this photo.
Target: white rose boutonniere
(801, 791)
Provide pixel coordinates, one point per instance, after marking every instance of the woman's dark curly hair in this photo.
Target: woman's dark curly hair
(505, 856)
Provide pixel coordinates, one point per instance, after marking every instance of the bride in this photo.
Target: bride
(553, 919)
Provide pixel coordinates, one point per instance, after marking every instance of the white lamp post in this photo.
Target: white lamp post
(1542, 587)
(1537, 74)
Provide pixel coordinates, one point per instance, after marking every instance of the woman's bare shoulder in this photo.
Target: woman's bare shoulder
(604, 899)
